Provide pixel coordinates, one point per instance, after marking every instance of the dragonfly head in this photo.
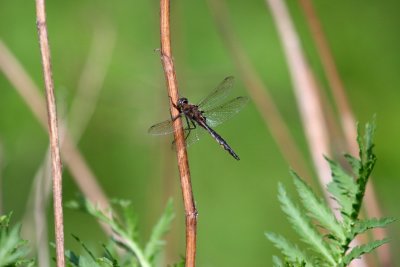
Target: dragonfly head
(182, 101)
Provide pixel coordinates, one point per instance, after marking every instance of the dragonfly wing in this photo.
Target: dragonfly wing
(162, 128)
(218, 115)
(218, 95)
(194, 136)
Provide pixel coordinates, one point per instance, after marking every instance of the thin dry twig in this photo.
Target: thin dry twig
(183, 164)
(53, 131)
(305, 90)
(88, 90)
(258, 91)
(346, 117)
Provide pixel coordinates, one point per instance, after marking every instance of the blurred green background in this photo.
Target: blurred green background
(236, 200)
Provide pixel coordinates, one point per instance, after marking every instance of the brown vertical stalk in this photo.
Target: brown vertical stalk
(183, 164)
(53, 130)
(306, 91)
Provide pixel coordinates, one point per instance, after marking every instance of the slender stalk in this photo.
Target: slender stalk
(183, 164)
(305, 90)
(53, 131)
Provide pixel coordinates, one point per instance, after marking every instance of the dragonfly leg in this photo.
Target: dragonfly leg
(190, 126)
(173, 104)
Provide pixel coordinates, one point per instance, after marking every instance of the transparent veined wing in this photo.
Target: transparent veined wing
(218, 115)
(218, 95)
(192, 135)
(162, 128)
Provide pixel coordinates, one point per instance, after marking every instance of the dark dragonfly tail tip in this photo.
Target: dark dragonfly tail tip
(235, 156)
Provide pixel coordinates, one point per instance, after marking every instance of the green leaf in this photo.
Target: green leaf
(369, 136)
(358, 251)
(13, 249)
(368, 160)
(292, 252)
(122, 237)
(318, 209)
(181, 263)
(364, 225)
(130, 218)
(303, 227)
(277, 262)
(155, 242)
(72, 257)
(343, 187)
(354, 162)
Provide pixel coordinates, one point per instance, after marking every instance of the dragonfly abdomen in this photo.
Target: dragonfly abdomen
(221, 141)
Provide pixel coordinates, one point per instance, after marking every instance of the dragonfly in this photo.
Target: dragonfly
(207, 114)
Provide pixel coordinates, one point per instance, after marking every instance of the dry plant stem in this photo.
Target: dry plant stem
(34, 226)
(79, 169)
(183, 164)
(346, 118)
(305, 90)
(332, 74)
(53, 131)
(258, 91)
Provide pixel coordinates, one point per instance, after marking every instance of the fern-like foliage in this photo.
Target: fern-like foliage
(126, 236)
(13, 249)
(327, 237)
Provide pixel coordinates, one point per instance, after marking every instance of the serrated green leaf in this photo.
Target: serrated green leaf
(358, 251)
(369, 136)
(360, 143)
(318, 209)
(368, 160)
(155, 242)
(72, 257)
(110, 257)
(276, 261)
(13, 249)
(343, 187)
(124, 238)
(364, 225)
(292, 253)
(88, 251)
(303, 227)
(181, 263)
(354, 163)
(130, 218)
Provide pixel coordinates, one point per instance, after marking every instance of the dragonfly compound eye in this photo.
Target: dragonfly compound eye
(182, 101)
